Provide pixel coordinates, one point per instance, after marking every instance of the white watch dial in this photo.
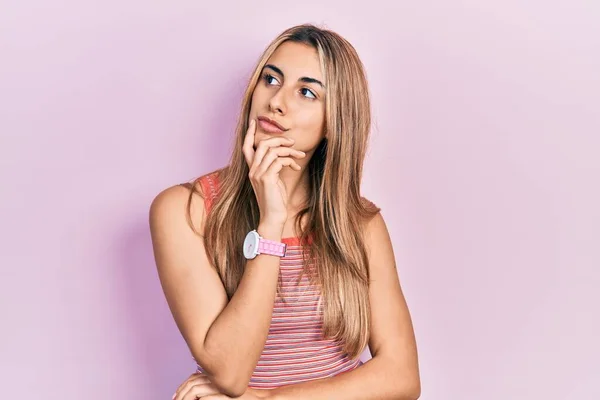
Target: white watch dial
(251, 245)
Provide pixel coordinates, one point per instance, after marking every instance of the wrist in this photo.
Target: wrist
(270, 231)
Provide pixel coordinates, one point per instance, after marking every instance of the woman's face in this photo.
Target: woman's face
(290, 92)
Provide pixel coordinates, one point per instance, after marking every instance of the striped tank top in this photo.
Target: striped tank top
(295, 350)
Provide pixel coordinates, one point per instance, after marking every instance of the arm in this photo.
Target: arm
(393, 372)
(225, 338)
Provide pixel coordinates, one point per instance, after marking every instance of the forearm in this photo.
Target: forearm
(236, 339)
(376, 379)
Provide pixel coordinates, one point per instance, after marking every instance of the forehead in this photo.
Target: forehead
(297, 60)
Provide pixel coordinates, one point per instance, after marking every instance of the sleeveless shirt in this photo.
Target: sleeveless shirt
(295, 350)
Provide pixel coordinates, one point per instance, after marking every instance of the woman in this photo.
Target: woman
(277, 272)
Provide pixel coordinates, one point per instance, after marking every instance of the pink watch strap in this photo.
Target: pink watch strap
(266, 246)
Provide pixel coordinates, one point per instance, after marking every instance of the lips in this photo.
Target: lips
(270, 126)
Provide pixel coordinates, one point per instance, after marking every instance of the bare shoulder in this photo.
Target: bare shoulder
(375, 228)
(377, 239)
(171, 204)
(377, 236)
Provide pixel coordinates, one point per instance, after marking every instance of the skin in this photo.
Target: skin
(299, 107)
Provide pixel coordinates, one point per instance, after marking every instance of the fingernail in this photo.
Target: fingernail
(174, 396)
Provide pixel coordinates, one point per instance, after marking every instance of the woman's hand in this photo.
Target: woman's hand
(199, 387)
(265, 163)
(250, 394)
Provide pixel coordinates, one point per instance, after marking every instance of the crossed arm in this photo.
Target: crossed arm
(212, 326)
(392, 372)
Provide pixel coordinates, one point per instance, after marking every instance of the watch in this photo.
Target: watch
(254, 245)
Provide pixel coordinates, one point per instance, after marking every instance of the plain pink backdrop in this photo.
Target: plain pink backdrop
(484, 159)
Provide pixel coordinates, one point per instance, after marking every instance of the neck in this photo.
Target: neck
(296, 186)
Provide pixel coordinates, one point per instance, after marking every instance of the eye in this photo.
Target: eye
(308, 93)
(269, 79)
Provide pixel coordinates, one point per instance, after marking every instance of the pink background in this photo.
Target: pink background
(485, 161)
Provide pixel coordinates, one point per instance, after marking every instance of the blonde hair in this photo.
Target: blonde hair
(336, 212)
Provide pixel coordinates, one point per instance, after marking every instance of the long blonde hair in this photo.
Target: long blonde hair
(336, 212)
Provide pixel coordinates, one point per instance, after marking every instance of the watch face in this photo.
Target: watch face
(251, 245)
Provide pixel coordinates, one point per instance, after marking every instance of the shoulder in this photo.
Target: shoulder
(372, 214)
(196, 192)
(376, 235)
(376, 228)
(169, 208)
(176, 196)
(171, 205)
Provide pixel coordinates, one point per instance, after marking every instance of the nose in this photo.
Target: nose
(277, 102)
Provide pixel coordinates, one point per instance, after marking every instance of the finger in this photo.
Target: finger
(265, 145)
(198, 391)
(180, 394)
(184, 383)
(248, 147)
(277, 165)
(272, 154)
(194, 379)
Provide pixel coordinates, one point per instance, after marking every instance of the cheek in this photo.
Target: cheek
(311, 120)
(310, 130)
(254, 102)
(259, 95)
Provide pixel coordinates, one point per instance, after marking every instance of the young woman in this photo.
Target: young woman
(277, 271)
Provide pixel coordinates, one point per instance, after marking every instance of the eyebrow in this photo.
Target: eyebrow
(303, 79)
